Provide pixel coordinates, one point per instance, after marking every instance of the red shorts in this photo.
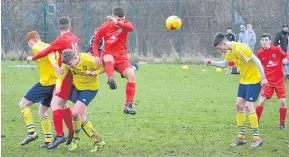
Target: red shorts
(66, 87)
(119, 64)
(269, 91)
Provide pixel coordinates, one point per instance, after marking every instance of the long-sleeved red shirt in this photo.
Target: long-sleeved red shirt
(271, 60)
(65, 41)
(114, 39)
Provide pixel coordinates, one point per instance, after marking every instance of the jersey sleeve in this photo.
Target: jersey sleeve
(52, 48)
(229, 56)
(60, 78)
(245, 52)
(282, 53)
(126, 25)
(98, 68)
(98, 36)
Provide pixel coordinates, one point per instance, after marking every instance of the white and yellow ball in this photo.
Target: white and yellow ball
(218, 70)
(185, 67)
(173, 23)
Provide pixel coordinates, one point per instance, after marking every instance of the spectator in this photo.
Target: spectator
(281, 39)
(229, 35)
(242, 34)
(250, 37)
(101, 43)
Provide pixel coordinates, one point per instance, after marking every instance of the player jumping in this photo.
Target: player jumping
(273, 58)
(64, 41)
(252, 78)
(114, 57)
(85, 81)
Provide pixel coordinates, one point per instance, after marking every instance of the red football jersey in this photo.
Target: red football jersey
(271, 60)
(65, 41)
(114, 39)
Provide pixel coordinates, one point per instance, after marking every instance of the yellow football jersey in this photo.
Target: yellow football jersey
(241, 55)
(46, 71)
(81, 80)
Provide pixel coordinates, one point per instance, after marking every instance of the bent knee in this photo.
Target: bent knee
(108, 58)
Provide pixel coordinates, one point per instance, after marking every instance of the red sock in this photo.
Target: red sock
(283, 112)
(57, 120)
(130, 90)
(259, 110)
(108, 68)
(67, 116)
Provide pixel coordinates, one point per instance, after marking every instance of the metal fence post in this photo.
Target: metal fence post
(44, 23)
(287, 1)
(6, 27)
(132, 37)
(180, 31)
(233, 15)
(87, 24)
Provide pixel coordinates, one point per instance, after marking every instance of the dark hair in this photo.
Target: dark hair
(118, 11)
(229, 28)
(67, 55)
(218, 38)
(64, 22)
(264, 35)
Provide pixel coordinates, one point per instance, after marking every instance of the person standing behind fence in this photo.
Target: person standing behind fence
(281, 39)
(229, 35)
(250, 37)
(242, 34)
(101, 43)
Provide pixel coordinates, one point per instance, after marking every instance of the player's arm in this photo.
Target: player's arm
(217, 63)
(284, 56)
(52, 59)
(52, 48)
(99, 69)
(97, 37)
(126, 26)
(60, 78)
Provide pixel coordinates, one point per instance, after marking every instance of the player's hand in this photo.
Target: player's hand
(208, 62)
(97, 60)
(111, 19)
(57, 91)
(58, 69)
(285, 61)
(264, 82)
(90, 73)
(28, 59)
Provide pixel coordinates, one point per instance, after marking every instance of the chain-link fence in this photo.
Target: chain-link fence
(201, 20)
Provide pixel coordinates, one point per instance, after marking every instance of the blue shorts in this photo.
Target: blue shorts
(39, 93)
(250, 92)
(85, 96)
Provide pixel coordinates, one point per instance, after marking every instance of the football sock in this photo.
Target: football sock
(77, 127)
(89, 130)
(282, 112)
(130, 91)
(46, 127)
(259, 110)
(58, 122)
(67, 116)
(108, 68)
(254, 124)
(27, 117)
(241, 117)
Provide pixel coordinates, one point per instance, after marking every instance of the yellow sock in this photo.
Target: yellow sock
(90, 132)
(254, 124)
(241, 118)
(77, 128)
(46, 127)
(27, 117)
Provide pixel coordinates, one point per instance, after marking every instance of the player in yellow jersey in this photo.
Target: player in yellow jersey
(85, 81)
(40, 92)
(252, 78)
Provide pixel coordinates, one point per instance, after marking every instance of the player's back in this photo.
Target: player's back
(241, 55)
(66, 41)
(46, 71)
(81, 80)
(115, 40)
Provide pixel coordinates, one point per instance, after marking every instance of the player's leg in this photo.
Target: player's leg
(108, 62)
(46, 124)
(266, 93)
(281, 94)
(252, 93)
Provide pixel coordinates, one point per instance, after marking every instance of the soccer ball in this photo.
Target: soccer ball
(173, 23)
(218, 70)
(185, 67)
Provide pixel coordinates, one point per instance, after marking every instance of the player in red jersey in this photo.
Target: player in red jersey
(273, 58)
(66, 40)
(114, 57)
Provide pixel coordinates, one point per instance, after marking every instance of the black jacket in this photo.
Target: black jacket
(230, 36)
(281, 39)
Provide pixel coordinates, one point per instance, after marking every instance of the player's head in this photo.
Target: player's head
(64, 24)
(249, 27)
(70, 58)
(32, 38)
(265, 40)
(285, 28)
(220, 42)
(229, 30)
(118, 13)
